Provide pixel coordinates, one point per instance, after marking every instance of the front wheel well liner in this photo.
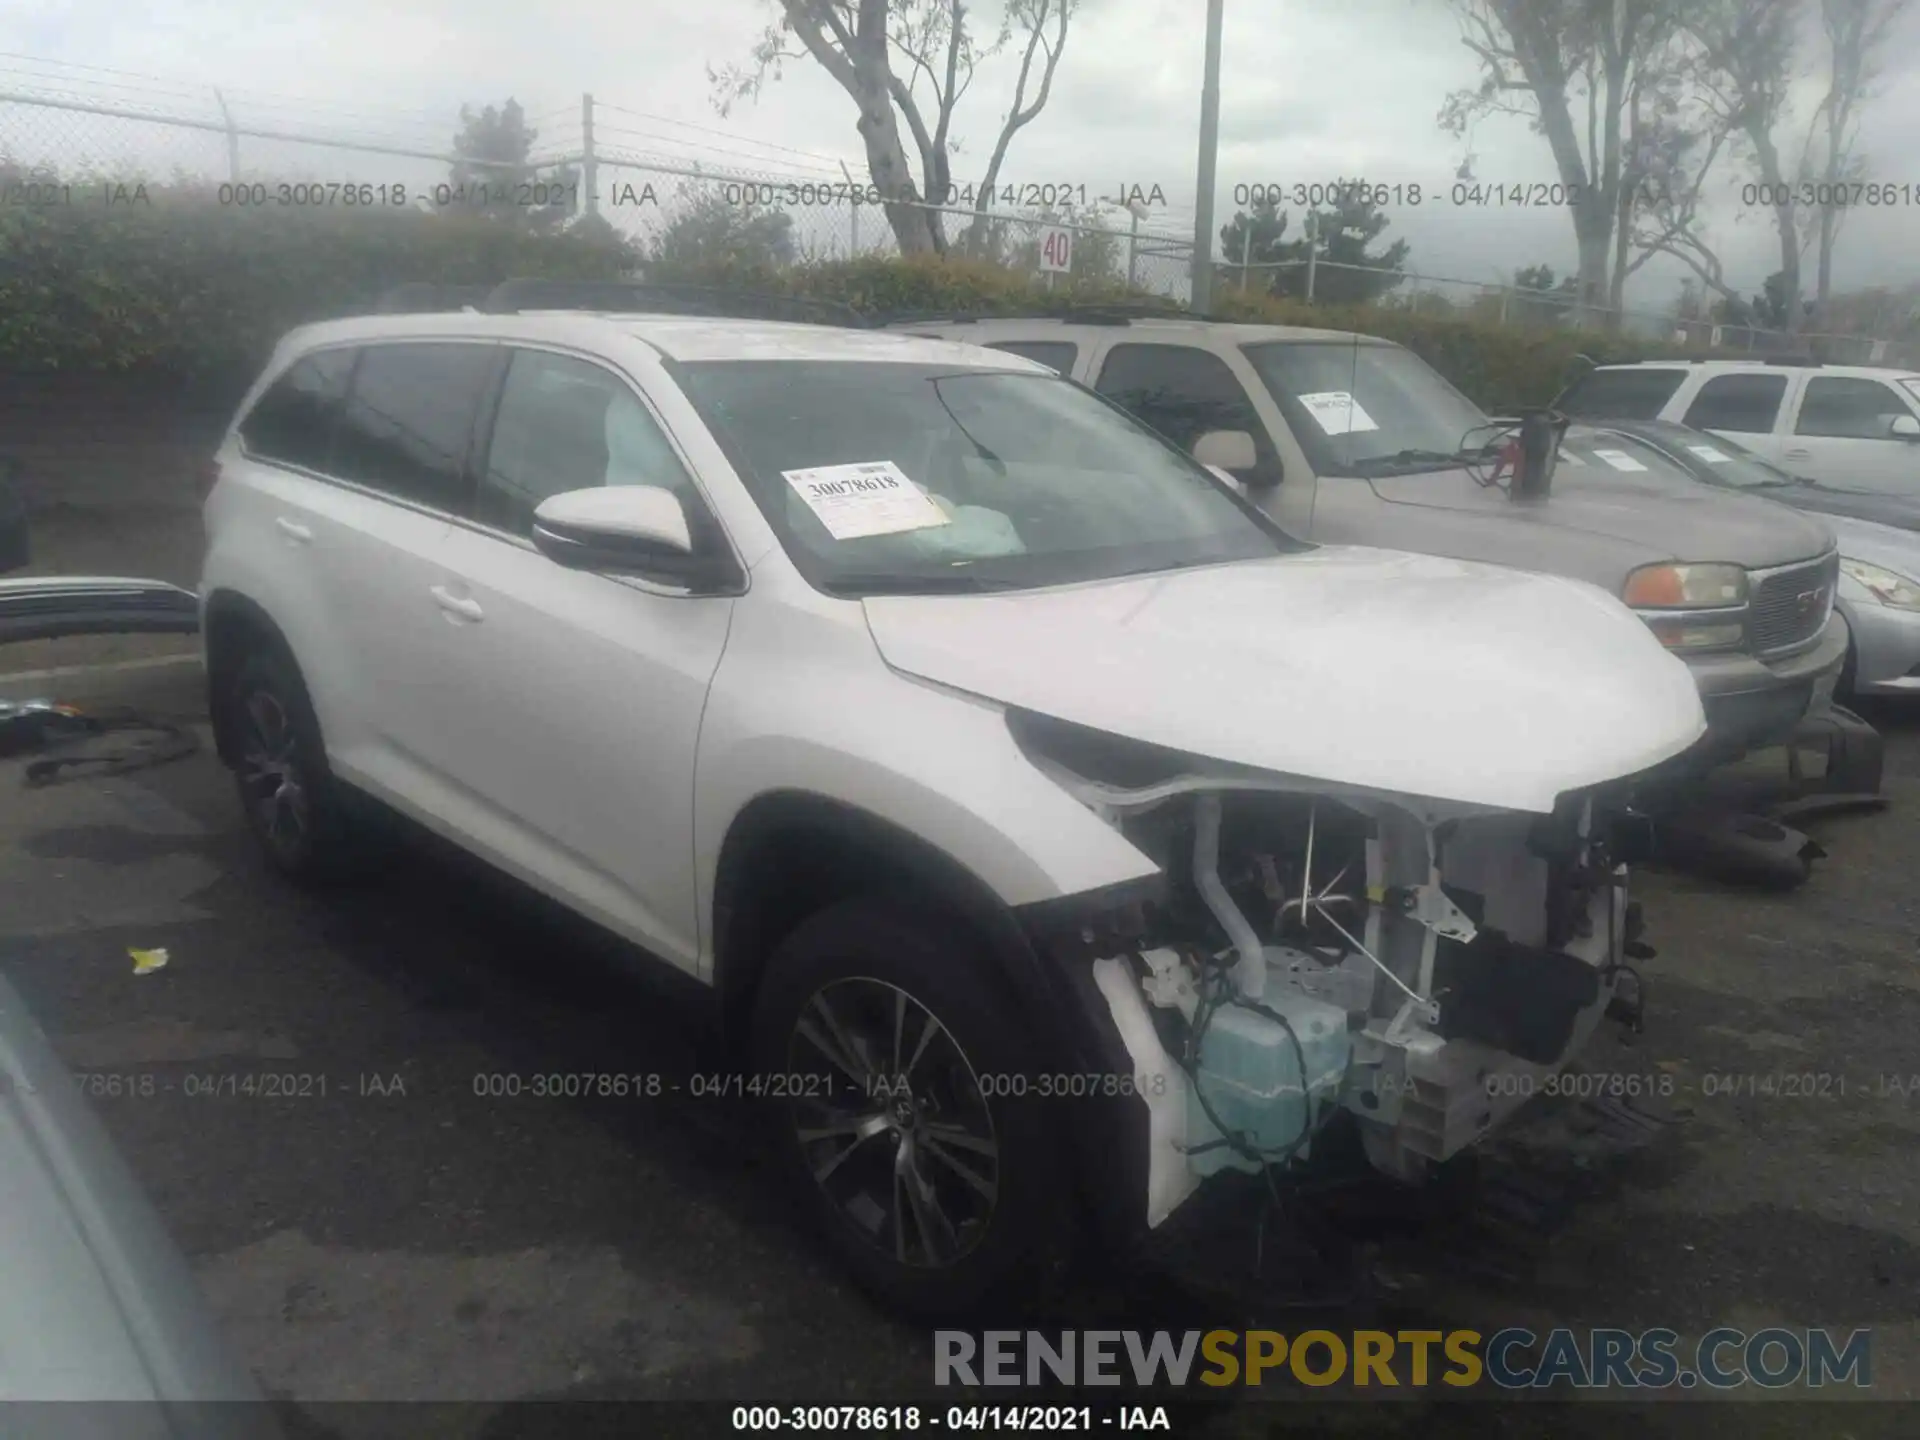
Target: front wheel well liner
(790, 854)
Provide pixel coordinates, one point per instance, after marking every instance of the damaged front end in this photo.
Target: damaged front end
(1314, 951)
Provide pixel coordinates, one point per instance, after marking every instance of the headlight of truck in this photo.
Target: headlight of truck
(1686, 587)
(1653, 589)
(1884, 585)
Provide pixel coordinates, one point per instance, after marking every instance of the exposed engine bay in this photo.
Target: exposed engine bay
(1314, 951)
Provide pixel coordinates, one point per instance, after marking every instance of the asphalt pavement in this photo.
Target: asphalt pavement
(311, 1088)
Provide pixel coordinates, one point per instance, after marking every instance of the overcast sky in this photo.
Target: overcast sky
(1311, 90)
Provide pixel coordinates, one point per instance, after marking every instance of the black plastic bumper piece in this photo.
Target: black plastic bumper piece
(1511, 996)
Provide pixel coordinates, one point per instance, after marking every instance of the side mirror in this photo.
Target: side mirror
(1904, 427)
(620, 530)
(1226, 450)
(15, 552)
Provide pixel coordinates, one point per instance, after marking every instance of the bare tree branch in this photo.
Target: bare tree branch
(906, 64)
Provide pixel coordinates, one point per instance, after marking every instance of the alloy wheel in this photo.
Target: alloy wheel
(902, 1142)
(272, 779)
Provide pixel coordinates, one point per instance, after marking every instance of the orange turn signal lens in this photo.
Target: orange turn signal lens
(1656, 587)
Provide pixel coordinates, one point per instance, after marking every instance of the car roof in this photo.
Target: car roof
(678, 337)
(1240, 331)
(1764, 364)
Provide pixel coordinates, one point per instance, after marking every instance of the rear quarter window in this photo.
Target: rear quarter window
(1621, 394)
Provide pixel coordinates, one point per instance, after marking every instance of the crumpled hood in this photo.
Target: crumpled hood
(1643, 519)
(1407, 674)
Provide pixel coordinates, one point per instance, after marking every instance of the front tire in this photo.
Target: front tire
(889, 1048)
(296, 810)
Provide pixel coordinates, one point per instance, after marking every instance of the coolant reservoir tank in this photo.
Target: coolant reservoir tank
(1250, 1076)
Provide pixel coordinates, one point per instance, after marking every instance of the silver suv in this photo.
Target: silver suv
(1353, 440)
(1047, 830)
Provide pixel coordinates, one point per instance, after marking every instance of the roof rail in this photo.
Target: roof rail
(1118, 314)
(422, 296)
(515, 296)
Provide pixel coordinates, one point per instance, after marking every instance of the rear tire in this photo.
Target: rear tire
(887, 1046)
(297, 811)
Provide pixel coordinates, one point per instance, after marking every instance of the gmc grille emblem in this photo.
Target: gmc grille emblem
(1807, 601)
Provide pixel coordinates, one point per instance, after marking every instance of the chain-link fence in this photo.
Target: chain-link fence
(677, 211)
(66, 139)
(89, 131)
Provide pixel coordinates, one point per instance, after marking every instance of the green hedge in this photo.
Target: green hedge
(185, 285)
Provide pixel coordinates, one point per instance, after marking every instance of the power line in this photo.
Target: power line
(835, 160)
(823, 169)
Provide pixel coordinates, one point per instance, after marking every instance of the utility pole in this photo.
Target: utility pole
(1202, 283)
(1246, 254)
(853, 192)
(589, 171)
(233, 138)
(1313, 249)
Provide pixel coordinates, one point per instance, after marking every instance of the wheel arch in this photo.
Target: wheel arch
(789, 854)
(231, 623)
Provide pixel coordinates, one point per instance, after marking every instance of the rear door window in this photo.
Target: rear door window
(1637, 394)
(293, 420)
(1747, 404)
(408, 421)
(1056, 355)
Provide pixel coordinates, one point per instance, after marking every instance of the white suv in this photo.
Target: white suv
(1854, 427)
(1049, 830)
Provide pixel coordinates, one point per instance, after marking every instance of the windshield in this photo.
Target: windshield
(1725, 463)
(1364, 409)
(893, 478)
(1590, 452)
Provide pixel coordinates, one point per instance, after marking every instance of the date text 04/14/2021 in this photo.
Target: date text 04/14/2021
(898, 1419)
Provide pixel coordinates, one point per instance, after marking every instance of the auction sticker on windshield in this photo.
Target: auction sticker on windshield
(1337, 412)
(855, 501)
(1709, 454)
(1620, 460)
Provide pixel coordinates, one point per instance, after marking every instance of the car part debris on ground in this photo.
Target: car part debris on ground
(87, 743)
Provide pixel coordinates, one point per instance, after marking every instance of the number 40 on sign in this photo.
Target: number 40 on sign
(1056, 250)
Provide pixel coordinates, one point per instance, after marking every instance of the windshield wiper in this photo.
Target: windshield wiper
(1423, 457)
(885, 582)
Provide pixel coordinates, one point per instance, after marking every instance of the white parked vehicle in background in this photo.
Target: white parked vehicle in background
(1855, 427)
(1050, 830)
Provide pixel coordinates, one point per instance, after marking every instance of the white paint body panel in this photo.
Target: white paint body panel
(598, 738)
(1408, 674)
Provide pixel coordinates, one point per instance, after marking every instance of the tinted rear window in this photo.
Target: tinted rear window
(1621, 394)
(293, 421)
(408, 421)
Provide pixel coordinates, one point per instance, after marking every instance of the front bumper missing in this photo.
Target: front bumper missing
(1422, 1098)
(1464, 985)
